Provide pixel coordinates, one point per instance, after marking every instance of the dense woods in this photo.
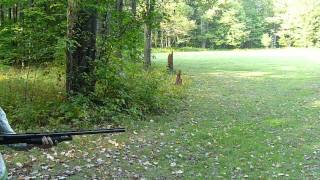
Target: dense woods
(35, 32)
(240, 24)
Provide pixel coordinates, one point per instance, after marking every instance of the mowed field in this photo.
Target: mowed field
(248, 114)
(254, 113)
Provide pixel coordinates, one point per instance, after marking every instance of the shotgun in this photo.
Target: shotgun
(36, 138)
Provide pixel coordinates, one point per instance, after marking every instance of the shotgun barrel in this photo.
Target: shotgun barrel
(36, 138)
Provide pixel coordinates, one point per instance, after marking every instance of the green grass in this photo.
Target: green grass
(249, 114)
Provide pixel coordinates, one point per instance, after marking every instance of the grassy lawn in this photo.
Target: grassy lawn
(249, 114)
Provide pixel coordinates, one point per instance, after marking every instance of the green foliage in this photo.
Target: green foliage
(231, 25)
(31, 95)
(224, 24)
(177, 25)
(300, 27)
(36, 96)
(256, 14)
(313, 27)
(32, 37)
(131, 89)
(266, 40)
(239, 24)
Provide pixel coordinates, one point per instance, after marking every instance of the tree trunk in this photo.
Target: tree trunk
(176, 41)
(167, 42)
(147, 46)
(81, 48)
(15, 13)
(21, 12)
(1, 15)
(10, 13)
(204, 43)
(119, 21)
(161, 40)
(119, 5)
(155, 38)
(30, 3)
(204, 40)
(134, 7)
(106, 29)
(147, 33)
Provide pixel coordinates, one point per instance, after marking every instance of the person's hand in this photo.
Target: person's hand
(46, 143)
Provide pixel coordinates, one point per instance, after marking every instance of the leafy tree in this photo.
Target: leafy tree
(222, 25)
(300, 26)
(256, 14)
(29, 30)
(266, 40)
(313, 27)
(175, 28)
(149, 14)
(81, 47)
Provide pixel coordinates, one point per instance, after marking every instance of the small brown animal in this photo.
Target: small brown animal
(170, 62)
(179, 79)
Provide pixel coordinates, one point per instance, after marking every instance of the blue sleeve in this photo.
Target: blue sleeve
(3, 169)
(5, 128)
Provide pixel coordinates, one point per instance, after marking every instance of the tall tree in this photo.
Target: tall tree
(134, 7)
(300, 26)
(176, 27)
(15, 13)
(81, 47)
(257, 12)
(1, 14)
(119, 24)
(150, 4)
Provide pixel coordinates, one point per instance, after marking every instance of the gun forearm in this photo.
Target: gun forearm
(36, 140)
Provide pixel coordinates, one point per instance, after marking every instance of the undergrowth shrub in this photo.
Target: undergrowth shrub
(131, 90)
(31, 95)
(35, 97)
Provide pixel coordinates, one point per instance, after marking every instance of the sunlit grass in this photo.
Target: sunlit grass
(261, 107)
(315, 104)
